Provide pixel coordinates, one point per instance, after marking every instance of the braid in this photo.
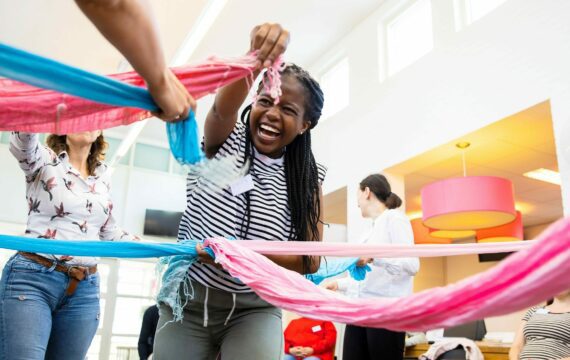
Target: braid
(301, 171)
(248, 158)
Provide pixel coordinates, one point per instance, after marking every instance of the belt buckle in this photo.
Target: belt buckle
(81, 269)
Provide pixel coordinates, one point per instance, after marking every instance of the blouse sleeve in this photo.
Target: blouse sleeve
(31, 155)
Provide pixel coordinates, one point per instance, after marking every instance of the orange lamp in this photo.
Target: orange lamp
(422, 236)
(451, 234)
(512, 231)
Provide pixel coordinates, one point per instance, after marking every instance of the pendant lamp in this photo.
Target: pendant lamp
(468, 202)
(422, 235)
(512, 231)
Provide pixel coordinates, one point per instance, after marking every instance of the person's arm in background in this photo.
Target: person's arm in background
(128, 26)
(327, 343)
(401, 233)
(144, 347)
(518, 343)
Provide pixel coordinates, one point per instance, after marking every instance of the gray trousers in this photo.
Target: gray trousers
(253, 330)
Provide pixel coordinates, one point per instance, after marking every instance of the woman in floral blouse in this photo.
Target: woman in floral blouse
(49, 304)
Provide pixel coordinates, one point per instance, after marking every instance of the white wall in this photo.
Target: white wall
(511, 59)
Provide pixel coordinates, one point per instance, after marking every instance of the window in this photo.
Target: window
(476, 9)
(335, 86)
(112, 149)
(409, 36)
(177, 168)
(128, 289)
(4, 138)
(152, 157)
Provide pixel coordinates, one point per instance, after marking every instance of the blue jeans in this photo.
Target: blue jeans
(37, 320)
(291, 357)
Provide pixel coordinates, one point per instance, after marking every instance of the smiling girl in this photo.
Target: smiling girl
(278, 199)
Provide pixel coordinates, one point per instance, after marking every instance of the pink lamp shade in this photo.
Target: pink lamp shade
(451, 234)
(512, 231)
(468, 203)
(422, 236)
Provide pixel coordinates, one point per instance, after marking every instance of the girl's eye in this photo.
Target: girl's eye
(263, 101)
(289, 111)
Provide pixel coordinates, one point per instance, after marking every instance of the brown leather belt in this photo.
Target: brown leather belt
(75, 273)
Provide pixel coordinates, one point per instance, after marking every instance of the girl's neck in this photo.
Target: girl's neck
(376, 210)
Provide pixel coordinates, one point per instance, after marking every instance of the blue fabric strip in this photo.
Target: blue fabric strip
(49, 74)
(120, 249)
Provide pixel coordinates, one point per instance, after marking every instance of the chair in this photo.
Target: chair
(475, 330)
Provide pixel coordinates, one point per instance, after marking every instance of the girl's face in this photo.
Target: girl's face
(84, 138)
(362, 198)
(274, 126)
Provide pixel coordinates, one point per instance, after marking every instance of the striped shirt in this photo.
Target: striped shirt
(214, 212)
(547, 335)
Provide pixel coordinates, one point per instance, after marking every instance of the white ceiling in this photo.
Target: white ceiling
(58, 30)
(506, 149)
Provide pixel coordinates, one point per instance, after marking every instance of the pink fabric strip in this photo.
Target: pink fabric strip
(30, 109)
(380, 251)
(518, 282)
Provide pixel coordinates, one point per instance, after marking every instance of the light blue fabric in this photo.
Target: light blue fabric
(334, 267)
(37, 319)
(49, 74)
(97, 248)
(179, 133)
(176, 259)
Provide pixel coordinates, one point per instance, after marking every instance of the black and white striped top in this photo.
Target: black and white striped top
(211, 213)
(547, 335)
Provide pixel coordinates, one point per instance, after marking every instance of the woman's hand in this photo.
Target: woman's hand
(204, 257)
(172, 98)
(363, 261)
(271, 40)
(296, 351)
(307, 351)
(331, 285)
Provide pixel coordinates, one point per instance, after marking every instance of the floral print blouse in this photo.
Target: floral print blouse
(61, 204)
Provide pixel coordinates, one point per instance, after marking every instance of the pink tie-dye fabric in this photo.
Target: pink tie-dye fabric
(523, 279)
(30, 109)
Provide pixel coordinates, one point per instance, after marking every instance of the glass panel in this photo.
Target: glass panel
(94, 349)
(137, 278)
(102, 303)
(151, 157)
(177, 168)
(103, 270)
(5, 256)
(128, 315)
(476, 9)
(5, 137)
(335, 85)
(410, 36)
(112, 149)
(124, 348)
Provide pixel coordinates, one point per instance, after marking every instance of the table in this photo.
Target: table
(491, 350)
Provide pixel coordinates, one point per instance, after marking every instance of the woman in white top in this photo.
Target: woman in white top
(388, 278)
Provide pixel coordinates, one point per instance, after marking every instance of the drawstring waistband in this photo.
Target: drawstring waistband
(232, 310)
(206, 308)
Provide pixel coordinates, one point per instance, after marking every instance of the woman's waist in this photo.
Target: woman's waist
(68, 259)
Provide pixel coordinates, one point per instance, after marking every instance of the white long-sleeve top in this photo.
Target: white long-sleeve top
(391, 277)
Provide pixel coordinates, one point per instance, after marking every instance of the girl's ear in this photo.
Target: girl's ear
(366, 192)
(306, 125)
